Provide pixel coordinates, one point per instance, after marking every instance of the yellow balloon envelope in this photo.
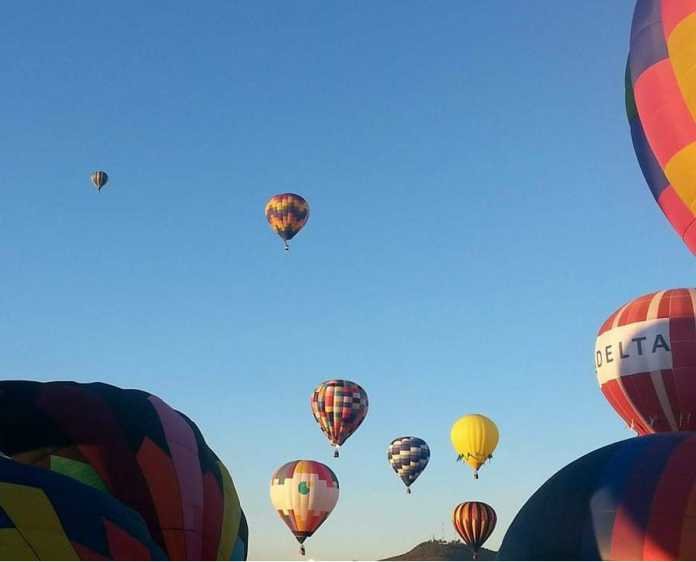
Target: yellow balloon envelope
(474, 437)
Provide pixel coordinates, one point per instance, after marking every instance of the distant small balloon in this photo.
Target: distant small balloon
(287, 213)
(99, 179)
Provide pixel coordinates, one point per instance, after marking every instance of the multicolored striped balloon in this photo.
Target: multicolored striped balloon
(339, 407)
(99, 179)
(408, 457)
(632, 500)
(135, 447)
(51, 516)
(287, 213)
(645, 360)
(304, 493)
(474, 521)
(661, 106)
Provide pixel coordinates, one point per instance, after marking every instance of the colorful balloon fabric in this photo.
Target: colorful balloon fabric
(661, 106)
(645, 360)
(408, 457)
(287, 213)
(474, 521)
(632, 500)
(474, 437)
(48, 516)
(339, 407)
(131, 445)
(304, 493)
(99, 179)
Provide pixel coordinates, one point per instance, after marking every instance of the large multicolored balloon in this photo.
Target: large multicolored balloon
(632, 500)
(99, 179)
(48, 516)
(339, 407)
(474, 521)
(304, 493)
(133, 446)
(661, 106)
(287, 213)
(645, 359)
(408, 456)
(474, 437)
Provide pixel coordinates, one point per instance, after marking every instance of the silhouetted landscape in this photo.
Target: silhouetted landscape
(443, 550)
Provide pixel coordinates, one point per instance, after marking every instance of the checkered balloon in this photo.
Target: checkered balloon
(408, 457)
(339, 407)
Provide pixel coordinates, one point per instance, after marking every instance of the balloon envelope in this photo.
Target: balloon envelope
(661, 106)
(645, 361)
(408, 456)
(99, 179)
(474, 437)
(339, 407)
(133, 446)
(632, 500)
(48, 516)
(304, 494)
(474, 522)
(287, 213)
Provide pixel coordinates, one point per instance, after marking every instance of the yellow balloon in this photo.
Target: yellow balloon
(474, 437)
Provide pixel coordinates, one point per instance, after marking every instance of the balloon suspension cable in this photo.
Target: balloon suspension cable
(302, 550)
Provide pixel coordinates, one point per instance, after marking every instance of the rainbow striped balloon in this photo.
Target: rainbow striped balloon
(661, 106)
(287, 213)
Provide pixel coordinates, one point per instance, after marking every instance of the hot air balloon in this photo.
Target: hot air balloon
(474, 521)
(134, 447)
(339, 406)
(49, 516)
(631, 500)
(645, 360)
(474, 437)
(408, 457)
(304, 493)
(99, 179)
(661, 106)
(287, 213)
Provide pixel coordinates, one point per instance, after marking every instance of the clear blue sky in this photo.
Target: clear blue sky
(477, 212)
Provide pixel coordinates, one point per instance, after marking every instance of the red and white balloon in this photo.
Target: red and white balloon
(645, 360)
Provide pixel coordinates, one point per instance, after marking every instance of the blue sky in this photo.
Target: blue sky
(477, 212)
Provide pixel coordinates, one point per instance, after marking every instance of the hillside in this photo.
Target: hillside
(442, 550)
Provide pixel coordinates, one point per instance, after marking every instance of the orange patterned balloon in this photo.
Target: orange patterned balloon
(287, 213)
